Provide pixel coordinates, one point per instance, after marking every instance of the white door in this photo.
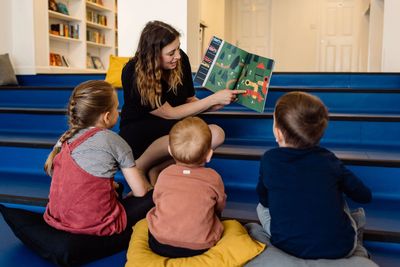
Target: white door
(339, 22)
(251, 23)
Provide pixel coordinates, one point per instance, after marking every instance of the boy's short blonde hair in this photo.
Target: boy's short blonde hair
(190, 141)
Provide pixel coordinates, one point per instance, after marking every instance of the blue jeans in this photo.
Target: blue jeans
(357, 219)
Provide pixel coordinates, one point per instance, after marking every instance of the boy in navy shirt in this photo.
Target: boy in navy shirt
(301, 185)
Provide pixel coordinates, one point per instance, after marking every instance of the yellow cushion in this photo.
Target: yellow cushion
(114, 71)
(234, 249)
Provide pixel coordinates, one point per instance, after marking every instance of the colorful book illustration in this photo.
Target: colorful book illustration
(227, 66)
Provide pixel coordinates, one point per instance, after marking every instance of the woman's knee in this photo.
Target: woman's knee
(218, 135)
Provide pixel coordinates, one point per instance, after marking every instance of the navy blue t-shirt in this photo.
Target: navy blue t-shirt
(303, 188)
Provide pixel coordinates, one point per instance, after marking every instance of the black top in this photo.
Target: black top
(303, 189)
(137, 126)
(133, 110)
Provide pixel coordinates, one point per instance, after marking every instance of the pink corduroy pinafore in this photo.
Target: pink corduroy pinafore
(80, 202)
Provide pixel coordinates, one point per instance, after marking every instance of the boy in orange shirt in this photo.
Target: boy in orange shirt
(188, 197)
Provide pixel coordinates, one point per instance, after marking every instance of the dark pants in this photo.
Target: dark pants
(136, 208)
(171, 251)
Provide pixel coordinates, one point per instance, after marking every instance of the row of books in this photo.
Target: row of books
(66, 30)
(92, 62)
(95, 36)
(96, 17)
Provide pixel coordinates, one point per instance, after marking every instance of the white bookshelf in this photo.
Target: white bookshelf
(98, 19)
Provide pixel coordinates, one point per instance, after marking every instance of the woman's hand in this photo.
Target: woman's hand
(194, 106)
(225, 97)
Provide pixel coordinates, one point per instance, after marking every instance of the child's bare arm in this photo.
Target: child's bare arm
(137, 181)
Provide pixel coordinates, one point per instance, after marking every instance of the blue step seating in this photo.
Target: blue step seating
(363, 131)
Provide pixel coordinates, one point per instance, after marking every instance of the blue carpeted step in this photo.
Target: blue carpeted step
(369, 100)
(338, 100)
(39, 96)
(384, 254)
(381, 101)
(299, 79)
(250, 128)
(343, 129)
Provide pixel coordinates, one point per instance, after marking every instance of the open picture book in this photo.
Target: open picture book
(226, 66)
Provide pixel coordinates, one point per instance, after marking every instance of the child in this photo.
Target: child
(301, 185)
(188, 197)
(83, 163)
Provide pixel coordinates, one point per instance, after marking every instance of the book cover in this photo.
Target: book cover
(97, 63)
(227, 66)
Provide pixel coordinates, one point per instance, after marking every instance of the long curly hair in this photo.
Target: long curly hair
(149, 73)
(87, 102)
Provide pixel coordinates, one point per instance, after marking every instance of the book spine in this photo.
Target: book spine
(214, 59)
(209, 60)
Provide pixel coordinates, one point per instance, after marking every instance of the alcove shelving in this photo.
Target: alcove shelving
(81, 35)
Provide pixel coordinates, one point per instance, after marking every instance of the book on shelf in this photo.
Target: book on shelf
(89, 62)
(53, 5)
(58, 7)
(62, 8)
(58, 60)
(97, 63)
(65, 61)
(226, 66)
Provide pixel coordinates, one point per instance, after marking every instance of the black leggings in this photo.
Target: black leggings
(171, 251)
(136, 208)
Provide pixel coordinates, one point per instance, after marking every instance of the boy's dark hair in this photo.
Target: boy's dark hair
(190, 141)
(302, 118)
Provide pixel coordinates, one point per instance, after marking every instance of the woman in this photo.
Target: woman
(158, 91)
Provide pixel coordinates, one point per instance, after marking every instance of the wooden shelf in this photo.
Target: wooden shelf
(63, 39)
(61, 16)
(97, 7)
(97, 26)
(93, 44)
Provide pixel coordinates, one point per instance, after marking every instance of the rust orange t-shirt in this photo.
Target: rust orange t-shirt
(187, 201)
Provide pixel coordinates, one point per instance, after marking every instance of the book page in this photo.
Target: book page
(221, 66)
(255, 78)
(227, 66)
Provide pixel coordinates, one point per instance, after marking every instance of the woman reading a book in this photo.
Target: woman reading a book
(158, 91)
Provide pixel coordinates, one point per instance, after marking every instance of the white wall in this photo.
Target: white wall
(193, 41)
(212, 13)
(133, 15)
(376, 16)
(294, 34)
(391, 37)
(5, 26)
